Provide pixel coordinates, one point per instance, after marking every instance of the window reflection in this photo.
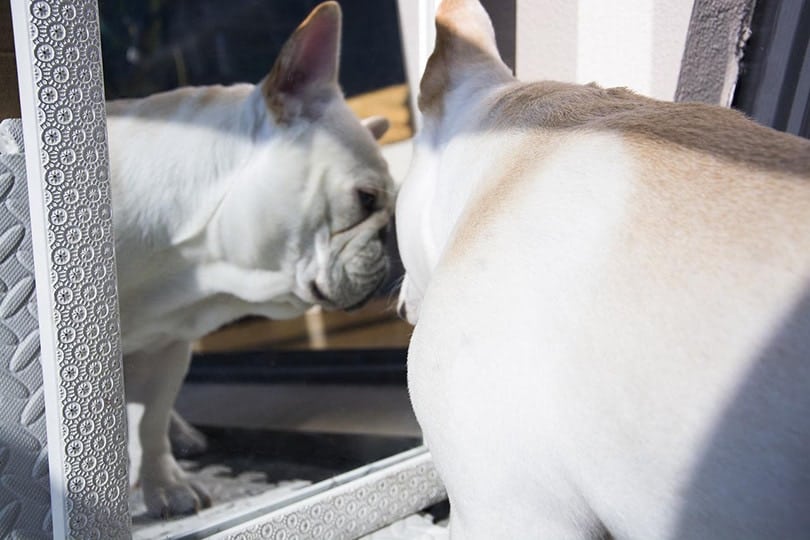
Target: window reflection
(282, 404)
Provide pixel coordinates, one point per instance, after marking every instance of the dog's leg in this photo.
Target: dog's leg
(187, 441)
(154, 379)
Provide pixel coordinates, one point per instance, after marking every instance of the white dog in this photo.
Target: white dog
(613, 306)
(231, 201)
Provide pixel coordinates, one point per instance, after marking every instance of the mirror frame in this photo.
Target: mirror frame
(60, 75)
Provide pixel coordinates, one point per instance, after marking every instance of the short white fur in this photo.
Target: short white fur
(577, 372)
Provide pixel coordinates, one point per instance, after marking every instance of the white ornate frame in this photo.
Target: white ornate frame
(60, 75)
(62, 103)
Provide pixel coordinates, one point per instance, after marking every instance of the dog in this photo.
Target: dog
(259, 199)
(612, 305)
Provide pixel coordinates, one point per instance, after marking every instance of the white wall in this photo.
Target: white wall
(416, 19)
(634, 43)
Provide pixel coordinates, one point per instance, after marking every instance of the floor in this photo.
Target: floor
(244, 469)
(270, 436)
(416, 527)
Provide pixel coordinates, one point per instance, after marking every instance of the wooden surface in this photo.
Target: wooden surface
(390, 102)
(373, 326)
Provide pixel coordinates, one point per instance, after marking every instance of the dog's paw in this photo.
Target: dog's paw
(187, 441)
(167, 500)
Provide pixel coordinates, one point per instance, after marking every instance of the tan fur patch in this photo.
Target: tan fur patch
(449, 55)
(464, 39)
(436, 79)
(689, 199)
(709, 173)
(502, 190)
(702, 128)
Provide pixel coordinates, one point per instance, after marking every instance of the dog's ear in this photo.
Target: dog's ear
(465, 49)
(377, 125)
(306, 70)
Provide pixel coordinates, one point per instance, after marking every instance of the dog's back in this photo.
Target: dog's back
(616, 337)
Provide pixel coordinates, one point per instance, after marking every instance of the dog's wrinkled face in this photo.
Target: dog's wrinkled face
(320, 214)
(354, 197)
(316, 197)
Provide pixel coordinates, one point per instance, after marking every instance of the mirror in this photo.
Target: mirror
(273, 405)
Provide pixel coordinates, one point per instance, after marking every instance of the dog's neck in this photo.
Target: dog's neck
(205, 135)
(192, 146)
(445, 194)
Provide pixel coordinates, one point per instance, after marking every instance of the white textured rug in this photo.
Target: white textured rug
(417, 527)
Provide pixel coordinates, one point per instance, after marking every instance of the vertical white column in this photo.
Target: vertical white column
(633, 43)
(616, 43)
(670, 25)
(546, 44)
(418, 30)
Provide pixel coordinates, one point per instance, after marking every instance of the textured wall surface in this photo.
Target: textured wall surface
(24, 488)
(717, 34)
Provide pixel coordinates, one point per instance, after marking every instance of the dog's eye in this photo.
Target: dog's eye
(368, 200)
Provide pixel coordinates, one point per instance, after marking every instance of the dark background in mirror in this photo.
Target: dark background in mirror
(155, 45)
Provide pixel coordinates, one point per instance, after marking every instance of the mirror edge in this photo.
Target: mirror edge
(92, 501)
(59, 70)
(381, 494)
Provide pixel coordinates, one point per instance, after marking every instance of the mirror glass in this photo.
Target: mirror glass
(269, 405)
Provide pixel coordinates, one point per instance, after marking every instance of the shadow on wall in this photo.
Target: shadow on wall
(757, 460)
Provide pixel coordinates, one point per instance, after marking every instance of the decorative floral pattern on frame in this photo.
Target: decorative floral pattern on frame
(355, 509)
(72, 147)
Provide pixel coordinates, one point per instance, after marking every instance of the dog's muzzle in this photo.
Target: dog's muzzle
(356, 269)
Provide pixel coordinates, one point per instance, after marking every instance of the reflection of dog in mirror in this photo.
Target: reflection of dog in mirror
(232, 201)
(613, 306)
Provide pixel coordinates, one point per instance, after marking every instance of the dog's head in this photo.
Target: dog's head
(464, 69)
(315, 197)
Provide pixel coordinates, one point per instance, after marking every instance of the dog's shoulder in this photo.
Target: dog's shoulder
(685, 165)
(696, 127)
